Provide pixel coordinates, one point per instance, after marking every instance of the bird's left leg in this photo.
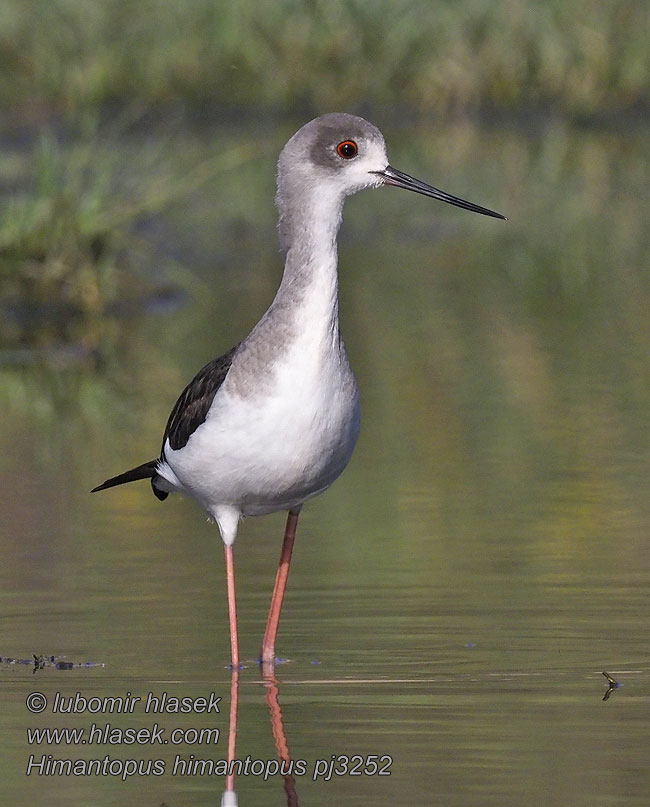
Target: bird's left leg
(267, 653)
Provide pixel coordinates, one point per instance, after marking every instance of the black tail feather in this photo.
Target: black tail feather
(145, 471)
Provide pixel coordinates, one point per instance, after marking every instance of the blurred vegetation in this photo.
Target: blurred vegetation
(57, 239)
(88, 168)
(581, 56)
(70, 249)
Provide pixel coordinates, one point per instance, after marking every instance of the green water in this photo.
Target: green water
(456, 595)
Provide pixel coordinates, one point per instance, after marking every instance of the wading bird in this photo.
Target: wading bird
(274, 421)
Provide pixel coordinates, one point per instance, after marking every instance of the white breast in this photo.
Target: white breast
(274, 450)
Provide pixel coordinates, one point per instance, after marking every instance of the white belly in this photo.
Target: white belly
(274, 449)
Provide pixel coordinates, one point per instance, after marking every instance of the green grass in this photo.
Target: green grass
(56, 238)
(580, 56)
(69, 245)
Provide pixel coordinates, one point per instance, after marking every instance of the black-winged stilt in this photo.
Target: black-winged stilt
(274, 421)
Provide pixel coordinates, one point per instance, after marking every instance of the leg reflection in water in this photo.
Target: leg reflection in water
(229, 798)
(281, 745)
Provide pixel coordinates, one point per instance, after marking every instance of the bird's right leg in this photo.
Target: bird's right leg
(228, 518)
(232, 606)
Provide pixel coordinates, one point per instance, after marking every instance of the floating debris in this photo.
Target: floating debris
(613, 684)
(42, 661)
(278, 660)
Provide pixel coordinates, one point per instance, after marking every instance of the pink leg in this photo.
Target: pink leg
(232, 607)
(267, 653)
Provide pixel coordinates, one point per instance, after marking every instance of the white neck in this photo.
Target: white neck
(308, 234)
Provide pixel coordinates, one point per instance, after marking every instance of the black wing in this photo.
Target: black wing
(191, 409)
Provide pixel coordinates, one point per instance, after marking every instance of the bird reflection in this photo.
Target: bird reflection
(279, 736)
(271, 684)
(229, 797)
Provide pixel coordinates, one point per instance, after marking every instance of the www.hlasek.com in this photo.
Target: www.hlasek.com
(106, 733)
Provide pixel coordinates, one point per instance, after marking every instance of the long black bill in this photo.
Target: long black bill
(392, 176)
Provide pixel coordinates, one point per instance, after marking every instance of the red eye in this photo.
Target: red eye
(347, 149)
